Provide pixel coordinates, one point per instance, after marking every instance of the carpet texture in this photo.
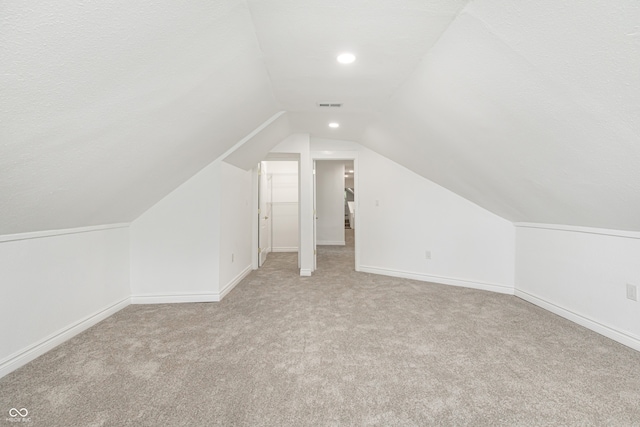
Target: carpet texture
(338, 348)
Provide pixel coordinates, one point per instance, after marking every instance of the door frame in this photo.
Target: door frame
(255, 248)
(264, 216)
(341, 155)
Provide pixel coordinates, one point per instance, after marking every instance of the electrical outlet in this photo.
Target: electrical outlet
(232, 257)
(427, 254)
(632, 292)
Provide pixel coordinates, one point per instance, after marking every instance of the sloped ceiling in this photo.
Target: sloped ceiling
(529, 109)
(106, 107)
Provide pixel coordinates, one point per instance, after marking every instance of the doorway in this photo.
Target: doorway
(334, 208)
(278, 209)
(265, 191)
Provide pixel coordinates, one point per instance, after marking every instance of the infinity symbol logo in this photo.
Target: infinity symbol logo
(13, 412)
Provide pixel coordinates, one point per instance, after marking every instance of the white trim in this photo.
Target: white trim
(622, 337)
(334, 155)
(174, 298)
(232, 284)
(493, 287)
(285, 249)
(250, 135)
(26, 355)
(50, 233)
(576, 229)
(305, 272)
(330, 242)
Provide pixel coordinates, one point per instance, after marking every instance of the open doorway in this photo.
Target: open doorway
(278, 211)
(349, 197)
(334, 207)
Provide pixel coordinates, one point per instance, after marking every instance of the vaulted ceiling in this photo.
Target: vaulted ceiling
(529, 109)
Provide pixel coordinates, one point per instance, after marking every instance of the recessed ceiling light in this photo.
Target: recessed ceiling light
(350, 171)
(334, 125)
(346, 58)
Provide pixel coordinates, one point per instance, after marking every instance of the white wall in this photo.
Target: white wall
(581, 274)
(56, 286)
(401, 215)
(284, 205)
(300, 145)
(175, 244)
(330, 183)
(235, 226)
(181, 248)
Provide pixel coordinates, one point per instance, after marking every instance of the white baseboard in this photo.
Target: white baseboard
(26, 355)
(229, 287)
(173, 298)
(330, 242)
(285, 249)
(502, 289)
(609, 332)
(305, 272)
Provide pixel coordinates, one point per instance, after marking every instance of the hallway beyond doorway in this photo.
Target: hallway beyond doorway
(335, 257)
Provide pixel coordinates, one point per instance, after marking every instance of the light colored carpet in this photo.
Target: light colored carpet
(338, 348)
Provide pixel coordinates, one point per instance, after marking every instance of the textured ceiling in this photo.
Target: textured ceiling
(529, 109)
(301, 39)
(105, 107)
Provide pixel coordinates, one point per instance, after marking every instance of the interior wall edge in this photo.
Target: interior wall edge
(62, 232)
(224, 290)
(629, 340)
(37, 349)
(580, 229)
(177, 298)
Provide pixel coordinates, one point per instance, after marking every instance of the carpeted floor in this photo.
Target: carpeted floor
(338, 348)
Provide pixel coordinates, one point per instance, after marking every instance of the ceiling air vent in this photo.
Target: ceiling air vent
(329, 104)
